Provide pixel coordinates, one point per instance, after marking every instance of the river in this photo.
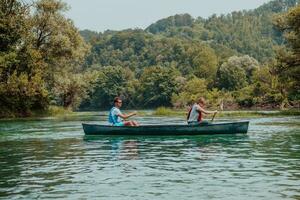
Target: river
(50, 158)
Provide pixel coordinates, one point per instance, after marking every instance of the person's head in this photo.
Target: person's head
(118, 102)
(201, 101)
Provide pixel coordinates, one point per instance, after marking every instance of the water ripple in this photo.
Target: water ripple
(50, 158)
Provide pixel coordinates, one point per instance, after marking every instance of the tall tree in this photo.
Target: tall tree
(36, 49)
(60, 45)
(21, 83)
(288, 67)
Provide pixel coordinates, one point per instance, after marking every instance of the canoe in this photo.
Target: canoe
(168, 130)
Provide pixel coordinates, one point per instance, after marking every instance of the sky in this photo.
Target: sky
(101, 15)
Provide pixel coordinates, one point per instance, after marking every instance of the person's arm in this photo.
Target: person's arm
(124, 116)
(200, 109)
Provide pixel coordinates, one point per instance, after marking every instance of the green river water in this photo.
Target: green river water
(50, 158)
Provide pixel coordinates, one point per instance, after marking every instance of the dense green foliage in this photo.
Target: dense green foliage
(228, 57)
(157, 86)
(38, 50)
(288, 66)
(245, 58)
(236, 73)
(110, 82)
(246, 32)
(22, 86)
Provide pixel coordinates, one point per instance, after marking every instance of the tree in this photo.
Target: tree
(110, 82)
(22, 87)
(231, 76)
(247, 63)
(237, 72)
(288, 67)
(266, 85)
(71, 89)
(191, 92)
(204, 61)
(172, 21)
(157, 86)
(57, 39)
(36, 49)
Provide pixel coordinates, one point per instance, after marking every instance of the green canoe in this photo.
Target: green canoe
(172, 130)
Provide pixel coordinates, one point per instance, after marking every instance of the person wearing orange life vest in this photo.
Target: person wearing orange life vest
(197, 112)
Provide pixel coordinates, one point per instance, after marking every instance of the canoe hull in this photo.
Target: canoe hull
(172, 130)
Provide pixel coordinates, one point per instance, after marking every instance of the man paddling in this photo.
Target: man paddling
(116, 118)
(197, 112)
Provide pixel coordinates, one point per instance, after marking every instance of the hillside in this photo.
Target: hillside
(223, 51)
(247, 32)
(238, 33)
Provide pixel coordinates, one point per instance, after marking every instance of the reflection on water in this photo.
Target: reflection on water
(134, 147)
(51, 158)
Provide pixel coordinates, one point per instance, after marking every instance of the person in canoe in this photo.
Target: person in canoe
(117, 118)
(197, 112)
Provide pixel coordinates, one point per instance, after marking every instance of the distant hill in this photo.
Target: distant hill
(247, 32)
(169, 40)
(179, 57)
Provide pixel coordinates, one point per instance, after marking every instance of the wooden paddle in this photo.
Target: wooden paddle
(213, 118)
(221, 109)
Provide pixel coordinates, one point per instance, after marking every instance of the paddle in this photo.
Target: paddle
(213, 118)
(221, 109)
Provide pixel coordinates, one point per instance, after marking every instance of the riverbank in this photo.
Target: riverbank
(162, 111)
(52, 111)
(60, 112)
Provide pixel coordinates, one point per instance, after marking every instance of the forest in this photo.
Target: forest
(246, 59)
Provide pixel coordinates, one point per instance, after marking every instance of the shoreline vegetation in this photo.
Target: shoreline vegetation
(60, 112)
(162, 111)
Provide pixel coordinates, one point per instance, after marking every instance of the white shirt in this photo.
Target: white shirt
(194, 113)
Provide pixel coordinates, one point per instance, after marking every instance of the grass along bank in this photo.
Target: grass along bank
(163, 111)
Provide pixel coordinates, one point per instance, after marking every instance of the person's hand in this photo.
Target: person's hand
(134, 113)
